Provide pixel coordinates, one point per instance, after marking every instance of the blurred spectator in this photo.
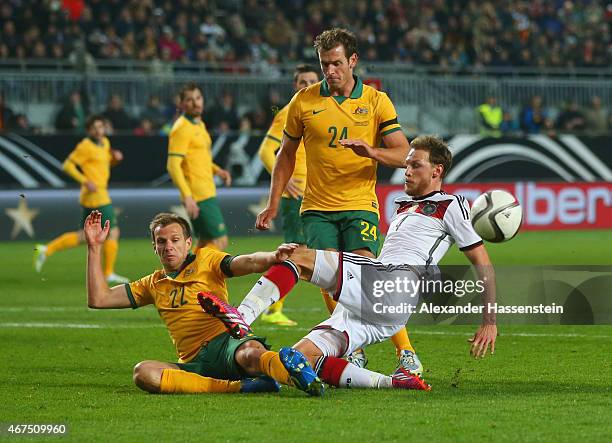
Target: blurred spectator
(81, 59)
(490, 117)
(533, 116)
(72, 115)
(154, 112)
(596, 119)
(509, 126)
(144, 128)
(7, 116)
(117, 115)
(224, 113)
(22, 125)
(570, 118)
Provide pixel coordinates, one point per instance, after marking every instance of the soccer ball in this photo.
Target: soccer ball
(496, 216)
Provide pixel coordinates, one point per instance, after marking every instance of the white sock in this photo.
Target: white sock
(356, 377)
(264, 294)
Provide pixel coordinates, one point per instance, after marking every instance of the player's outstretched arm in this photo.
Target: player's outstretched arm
(395, 152)
(99, 295)
(486, 334)
(260, 262)
(283, 169)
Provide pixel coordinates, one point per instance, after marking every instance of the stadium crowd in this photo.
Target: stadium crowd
(457, 33)
(257, 35)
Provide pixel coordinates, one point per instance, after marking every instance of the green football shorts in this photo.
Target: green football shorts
(108, 213)
(216, 359)
(341, 230)
(293, 227)
(210, 223)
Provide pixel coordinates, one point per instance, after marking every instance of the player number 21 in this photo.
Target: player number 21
(368, 231)
(334, 133)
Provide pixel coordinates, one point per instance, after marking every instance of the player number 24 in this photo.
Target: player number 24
(368, 231)
(334, 133)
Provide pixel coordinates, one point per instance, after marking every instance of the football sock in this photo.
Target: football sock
(64, 241)
(270, 364)
(110, 249)
(342, 374)
(177, 381)
(276, 307)
(401, 341)
(270, 288)
(329, 301)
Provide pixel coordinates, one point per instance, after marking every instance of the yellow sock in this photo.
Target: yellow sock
(401, 341)
(177, 381)
(270, 364)
(276, 307)
(110, 249)
(64, 241)
(329, 301)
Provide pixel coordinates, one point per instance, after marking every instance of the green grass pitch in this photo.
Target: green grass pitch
(62, 363)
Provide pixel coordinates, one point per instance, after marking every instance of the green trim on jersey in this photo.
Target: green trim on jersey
(391, 131)
(291, 136)
(175, 154)
(274, 138)
(355, 93)
(188, 260)
(130, 296)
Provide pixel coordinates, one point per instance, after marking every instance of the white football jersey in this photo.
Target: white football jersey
(424, 228)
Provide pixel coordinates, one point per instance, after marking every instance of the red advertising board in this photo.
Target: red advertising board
(546, 206)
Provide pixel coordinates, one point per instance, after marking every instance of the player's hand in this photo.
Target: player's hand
(265, 217)
(225, 176)
(193, 210)
(91, 186)
(484, 337)
(284, 251)
(293, 188)
(359, 147)
(95, 234)
(117, 156)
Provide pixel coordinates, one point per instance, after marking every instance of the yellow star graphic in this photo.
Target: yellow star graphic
(22, 218)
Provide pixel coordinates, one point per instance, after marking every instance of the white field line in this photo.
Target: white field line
(415, 331)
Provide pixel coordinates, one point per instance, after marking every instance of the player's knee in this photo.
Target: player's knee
(304, 259)
(310, 351)
(145, 377)
(247, 356)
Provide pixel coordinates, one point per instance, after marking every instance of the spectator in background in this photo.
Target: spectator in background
(224, 113)
(71, 116)
(82, 60)
(596, 119)
(490, 117)
(117, 115)
(571, 119)
(533, 116)
(144, 128)
(7, 116)
(154, 112)
(22, 125)
(509, 126)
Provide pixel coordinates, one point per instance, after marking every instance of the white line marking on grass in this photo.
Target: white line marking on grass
(61, 325)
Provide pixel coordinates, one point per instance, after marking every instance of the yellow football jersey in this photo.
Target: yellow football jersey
(192, 142)
(94, 161)
(174, 296)
(337, 178)
(271, 144)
